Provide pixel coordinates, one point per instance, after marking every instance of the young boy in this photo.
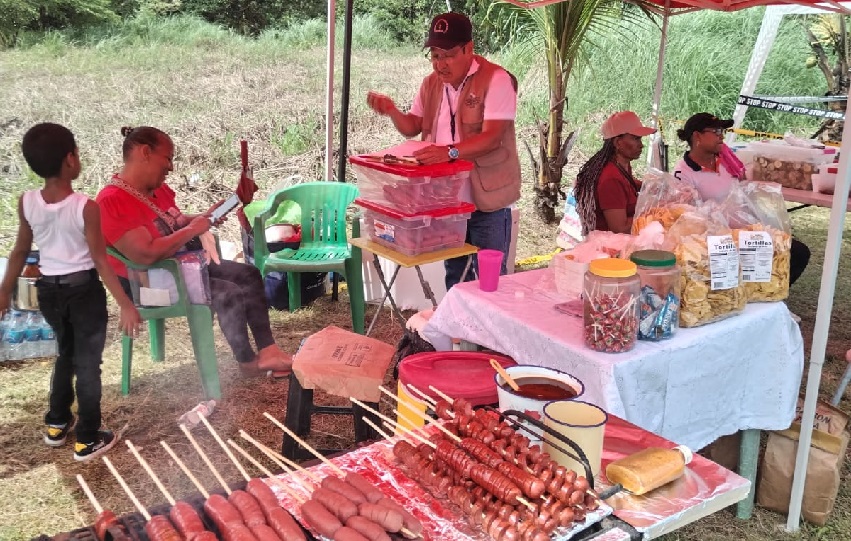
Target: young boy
(66, 227)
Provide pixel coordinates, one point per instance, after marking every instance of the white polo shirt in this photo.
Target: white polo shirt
(500, 104)
(711, 185)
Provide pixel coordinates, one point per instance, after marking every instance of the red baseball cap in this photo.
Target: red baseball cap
(624, 122)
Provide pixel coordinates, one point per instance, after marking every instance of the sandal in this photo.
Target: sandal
(252, 370)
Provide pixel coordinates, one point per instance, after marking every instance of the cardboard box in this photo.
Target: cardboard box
(343, 363)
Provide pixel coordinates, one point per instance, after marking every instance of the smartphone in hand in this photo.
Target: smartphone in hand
(228, 205)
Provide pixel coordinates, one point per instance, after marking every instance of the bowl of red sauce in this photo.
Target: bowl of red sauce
(538, 385)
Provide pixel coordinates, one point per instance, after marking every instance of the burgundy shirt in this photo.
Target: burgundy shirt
(614, 191)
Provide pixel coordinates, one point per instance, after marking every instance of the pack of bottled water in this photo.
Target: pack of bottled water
(26, 335)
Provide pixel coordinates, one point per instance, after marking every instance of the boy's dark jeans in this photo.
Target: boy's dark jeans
(78, 316)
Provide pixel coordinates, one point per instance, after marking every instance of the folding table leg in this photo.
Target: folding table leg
(426, 287)
(748, 458)
(467, 267)
(387, 295)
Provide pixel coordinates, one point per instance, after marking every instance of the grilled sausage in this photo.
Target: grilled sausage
(409, 521)
(263, 494)
(285, 525)
(160, 529)
(367, 528)
(221, 511)
(237, 531)
(264, 532)
(348, 534)
(344, 489)
(185, 518)
(320, 519)
(358, 481)
(389, 519)
(342, 507)
(249, 509)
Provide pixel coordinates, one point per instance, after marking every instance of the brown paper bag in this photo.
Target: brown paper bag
(343, 363)
(823, 473)
(828, 418)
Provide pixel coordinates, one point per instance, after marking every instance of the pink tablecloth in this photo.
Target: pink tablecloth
(740, 373)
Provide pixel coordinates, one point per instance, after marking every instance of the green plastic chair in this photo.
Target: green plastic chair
(199, 316)
(324, 245)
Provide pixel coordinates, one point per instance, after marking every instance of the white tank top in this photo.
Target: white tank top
(58, 232)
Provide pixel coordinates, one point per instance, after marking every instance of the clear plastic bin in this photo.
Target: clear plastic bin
(787, 165)
(411, 188)
(419, 233)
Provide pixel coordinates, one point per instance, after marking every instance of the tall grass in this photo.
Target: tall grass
(706, 60)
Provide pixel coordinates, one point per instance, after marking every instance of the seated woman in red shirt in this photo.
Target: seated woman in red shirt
(605, 190)
(140, 219)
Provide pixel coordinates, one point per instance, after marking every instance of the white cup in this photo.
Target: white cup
(583, 423)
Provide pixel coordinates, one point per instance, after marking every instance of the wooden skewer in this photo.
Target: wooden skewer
(295, 495)
(502, 372)
(206, 459)
(422, 395)
(127, 490)
(149, 471)
(89, 494)
(441, 394)
(224, 447)
(416, 436)
(186, 470)
(304, 444)
(430, 422)
(400, 435)
(290, 467)
(373, 411)
(375, 427)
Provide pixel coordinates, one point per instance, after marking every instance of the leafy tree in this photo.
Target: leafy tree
(828, 40)
(564, 32)
(19, 15)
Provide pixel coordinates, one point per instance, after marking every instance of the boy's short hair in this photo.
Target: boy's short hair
(45, 147)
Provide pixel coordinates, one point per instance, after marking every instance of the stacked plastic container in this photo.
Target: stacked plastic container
(413, 209)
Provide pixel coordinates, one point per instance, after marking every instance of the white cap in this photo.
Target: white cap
(687, 453)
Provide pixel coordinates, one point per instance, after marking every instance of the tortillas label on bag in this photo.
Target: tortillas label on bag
(756, 255)
(723, 262)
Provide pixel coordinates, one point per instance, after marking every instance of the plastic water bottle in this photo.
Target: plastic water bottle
(15, 338)
(4, 326)
(32, 335)
(48, 340)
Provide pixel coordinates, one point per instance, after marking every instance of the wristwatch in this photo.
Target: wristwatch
(453, 153)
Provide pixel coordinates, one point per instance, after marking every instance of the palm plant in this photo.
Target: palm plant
(827, 36)
(564, 32)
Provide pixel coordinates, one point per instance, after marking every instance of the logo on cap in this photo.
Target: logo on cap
(441, 26)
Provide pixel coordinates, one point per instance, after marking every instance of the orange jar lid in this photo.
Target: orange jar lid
(612, 268)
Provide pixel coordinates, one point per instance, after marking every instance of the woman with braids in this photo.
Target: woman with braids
(605, 190)
(142, 221)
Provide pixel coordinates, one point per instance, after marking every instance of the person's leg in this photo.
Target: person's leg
(253, 309)
(88, 316)
(61, 396)
(227, 303)
(799, 257)
(485, 230)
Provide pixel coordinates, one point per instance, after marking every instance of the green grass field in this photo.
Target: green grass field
(209, 88)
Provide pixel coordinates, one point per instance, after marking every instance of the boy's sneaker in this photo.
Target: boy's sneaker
(55, 435)
(87, 451)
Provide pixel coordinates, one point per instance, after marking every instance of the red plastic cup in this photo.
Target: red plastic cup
(490, 263)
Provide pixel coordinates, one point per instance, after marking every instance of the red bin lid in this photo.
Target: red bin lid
(460, 374)
(410, 171)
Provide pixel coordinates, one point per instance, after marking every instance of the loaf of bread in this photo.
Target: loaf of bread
(641, 472)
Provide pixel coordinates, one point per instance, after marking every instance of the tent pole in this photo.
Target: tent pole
(654, 158)
(329, 93)
(762, 46)
(344, 98)
(827, 289)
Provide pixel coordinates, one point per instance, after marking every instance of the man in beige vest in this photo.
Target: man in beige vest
(466, 108)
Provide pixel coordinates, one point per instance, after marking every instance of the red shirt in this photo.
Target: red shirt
(614, 191)
(121, 212)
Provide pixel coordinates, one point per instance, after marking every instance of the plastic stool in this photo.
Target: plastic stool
(846, 377)
(300, 408)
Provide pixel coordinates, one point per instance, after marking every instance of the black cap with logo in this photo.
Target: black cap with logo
(700, 122)
(449, 30)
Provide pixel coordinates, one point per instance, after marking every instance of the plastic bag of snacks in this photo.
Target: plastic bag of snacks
(710, 286)
(663, 198)
(765, 243)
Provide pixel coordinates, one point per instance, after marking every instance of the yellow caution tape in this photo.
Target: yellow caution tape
(536, 259)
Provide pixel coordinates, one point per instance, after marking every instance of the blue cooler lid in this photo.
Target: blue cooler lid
(459, 374)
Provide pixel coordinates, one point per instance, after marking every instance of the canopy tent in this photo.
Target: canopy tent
(667, 8)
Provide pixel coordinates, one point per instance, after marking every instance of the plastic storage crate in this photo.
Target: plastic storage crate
(415, 234)
(411, 188)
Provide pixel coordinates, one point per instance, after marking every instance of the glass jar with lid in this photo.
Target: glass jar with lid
(610, 305)
(659, 300)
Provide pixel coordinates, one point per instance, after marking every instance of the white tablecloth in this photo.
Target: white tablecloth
(740, 373)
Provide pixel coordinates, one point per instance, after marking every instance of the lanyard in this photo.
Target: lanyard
(449, 104)
(451, 113)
